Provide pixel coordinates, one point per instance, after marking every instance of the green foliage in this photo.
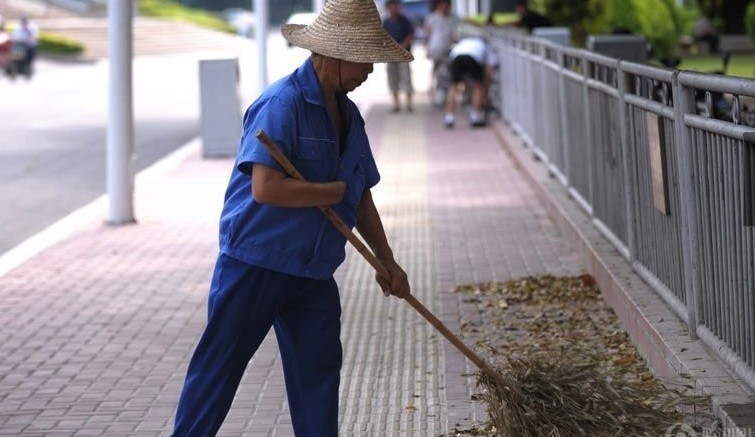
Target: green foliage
(688, 16)
(739, 65)
(582, 17)
(657, 21)
(658, 26)
(54, 43)
(660, 21)
(676, 17)
(540, 6)
(499, 19)
(622, 14)
(173, 10)
(57, 44)
(750, 21)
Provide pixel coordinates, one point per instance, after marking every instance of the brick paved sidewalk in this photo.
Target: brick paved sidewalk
(98, 328)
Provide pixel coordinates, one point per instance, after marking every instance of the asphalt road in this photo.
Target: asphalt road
(53, 132)
(53, 129)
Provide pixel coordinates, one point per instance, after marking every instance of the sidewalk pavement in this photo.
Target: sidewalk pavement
(99, 322)
(98, 326)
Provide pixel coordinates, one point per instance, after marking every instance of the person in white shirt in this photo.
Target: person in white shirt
(441, 31)
(26, 34)
(473, 61)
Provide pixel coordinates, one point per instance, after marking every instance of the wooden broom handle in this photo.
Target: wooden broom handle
(375, 263)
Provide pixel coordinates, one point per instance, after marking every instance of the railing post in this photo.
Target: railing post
(588, 133)
(563, 107)
(630, 187)
(538, 62)
(529, 98)
(525, 90)
(683, 104)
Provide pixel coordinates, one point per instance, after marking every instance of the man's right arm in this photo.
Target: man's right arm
(270, 186)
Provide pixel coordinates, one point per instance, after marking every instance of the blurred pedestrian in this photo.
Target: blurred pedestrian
(530, 19)
(441, 31)
(704, 32)
(278, 252)
(472, 62)
(400, 29)
(26, 36)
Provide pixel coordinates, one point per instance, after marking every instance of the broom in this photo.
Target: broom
(378, 266)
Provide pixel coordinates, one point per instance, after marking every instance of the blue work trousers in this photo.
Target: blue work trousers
(245, 301)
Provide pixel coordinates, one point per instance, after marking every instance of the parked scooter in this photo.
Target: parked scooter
(20, 62)
(6, 45)
(18, 50)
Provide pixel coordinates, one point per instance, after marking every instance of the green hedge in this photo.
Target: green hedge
(658, 25)
(58, 44)
(176, 11)
(750, 21)
(583, 17)
(660, 21)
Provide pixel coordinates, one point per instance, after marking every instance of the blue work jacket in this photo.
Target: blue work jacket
(296, 241)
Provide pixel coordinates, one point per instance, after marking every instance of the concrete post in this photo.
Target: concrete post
(472, 8)
(260, 34)
(486, 8)
(120, 135)
(317, 5)
(460, 8)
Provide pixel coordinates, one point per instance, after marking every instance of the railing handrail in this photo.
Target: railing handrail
(658, 125)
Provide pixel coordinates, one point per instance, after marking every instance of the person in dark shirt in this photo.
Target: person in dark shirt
(399, 73)
(529, 19)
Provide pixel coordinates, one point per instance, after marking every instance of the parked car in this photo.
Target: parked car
(241, 19)
(304, 18)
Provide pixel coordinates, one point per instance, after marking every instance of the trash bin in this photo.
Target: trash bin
(558, 35)
(633, 48)
(220, 108)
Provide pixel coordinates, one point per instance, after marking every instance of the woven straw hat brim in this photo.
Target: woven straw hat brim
(350, 30)
(347, 43)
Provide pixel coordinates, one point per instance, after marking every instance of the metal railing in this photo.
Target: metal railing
(663, 172)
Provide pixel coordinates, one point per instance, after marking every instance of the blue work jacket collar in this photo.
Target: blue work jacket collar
(310, 85)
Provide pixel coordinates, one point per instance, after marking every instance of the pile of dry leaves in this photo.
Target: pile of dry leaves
(568, 366)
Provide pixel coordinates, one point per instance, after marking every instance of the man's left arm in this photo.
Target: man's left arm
(370, 227)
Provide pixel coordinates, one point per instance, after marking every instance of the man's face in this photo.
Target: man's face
(354, 74)
(520, 9)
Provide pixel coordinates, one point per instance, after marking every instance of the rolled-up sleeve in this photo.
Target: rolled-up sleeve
(277, 120)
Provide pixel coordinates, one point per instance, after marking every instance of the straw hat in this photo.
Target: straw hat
(350, 30)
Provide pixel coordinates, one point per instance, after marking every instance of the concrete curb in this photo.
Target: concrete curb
(661, 338)
(88, 213)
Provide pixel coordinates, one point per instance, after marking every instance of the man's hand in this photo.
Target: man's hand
(398, 285)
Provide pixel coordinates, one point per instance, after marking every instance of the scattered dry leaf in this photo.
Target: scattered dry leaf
(570, 368)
